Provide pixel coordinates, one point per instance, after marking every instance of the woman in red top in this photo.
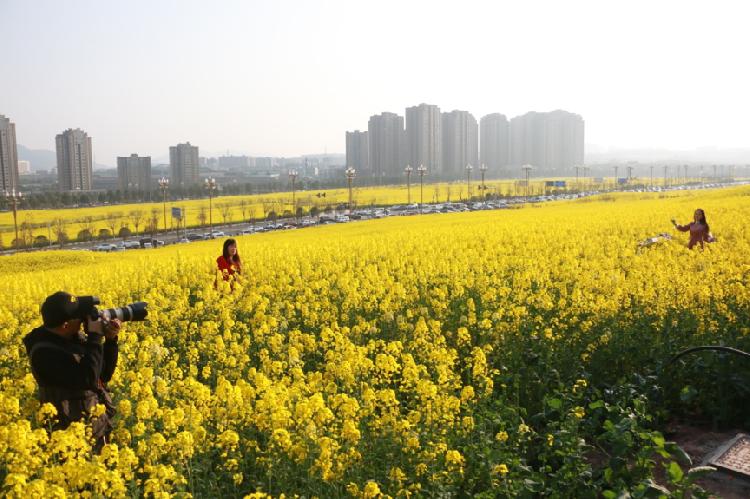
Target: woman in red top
(698, 229)
(229, 262)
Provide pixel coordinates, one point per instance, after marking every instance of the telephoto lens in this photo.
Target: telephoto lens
(133, 312)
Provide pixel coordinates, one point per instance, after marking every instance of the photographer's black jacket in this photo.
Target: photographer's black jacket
(70, 364)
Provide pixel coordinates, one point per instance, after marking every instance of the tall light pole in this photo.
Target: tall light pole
(14, 197)
(468, 182)
(408, 171)
(652, 175)
(483, 170)
(578, 167)
(686, 177)
(350, 174)
(527, 170)
(666, 170)
(211, 186)
(630, 173)
(422, 170)
(164, 185)
(293, 177)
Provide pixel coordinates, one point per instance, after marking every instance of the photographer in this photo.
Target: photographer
(72, 368)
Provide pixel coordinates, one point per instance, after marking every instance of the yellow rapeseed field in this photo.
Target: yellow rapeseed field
(448, 355)
(231, 209)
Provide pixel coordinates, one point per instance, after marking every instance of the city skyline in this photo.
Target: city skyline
(285, 79)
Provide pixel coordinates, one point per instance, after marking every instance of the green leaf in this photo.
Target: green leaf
(679, 453)
(688, 393)
(554, 403)
(596, 405)
(675, 472)
(657, 439)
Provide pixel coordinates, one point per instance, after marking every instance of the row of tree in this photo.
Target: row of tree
(139, 221)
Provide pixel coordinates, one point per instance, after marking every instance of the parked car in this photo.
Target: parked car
(104, 247)
(194, 237)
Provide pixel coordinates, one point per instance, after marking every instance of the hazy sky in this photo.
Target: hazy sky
(290, 77)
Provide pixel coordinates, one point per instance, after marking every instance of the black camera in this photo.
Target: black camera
(133, 312)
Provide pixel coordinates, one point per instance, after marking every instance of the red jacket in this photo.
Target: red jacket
(698, 233)
(227, 268)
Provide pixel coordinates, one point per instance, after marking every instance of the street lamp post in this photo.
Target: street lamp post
(422, 170)
(293, 177)
(408, 171)
(577, 170)
(527, 170)
(164, 185)
(14, 196)
(652, 175)
(666, 171)
(211, 186)
(468, 182)
(483, 170)
(350, 174)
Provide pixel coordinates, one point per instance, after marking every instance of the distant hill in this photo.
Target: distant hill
(40, 159)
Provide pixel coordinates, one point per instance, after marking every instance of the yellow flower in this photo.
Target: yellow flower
(371, 490)
(467, 393)
(454, 460)
(46, 412)
(500, 469)
(501, 436)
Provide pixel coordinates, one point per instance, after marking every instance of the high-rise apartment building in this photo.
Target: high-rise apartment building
(134, 173)
(183, 164)
(8, 155)
(357, 152)
(553, 142)
(424, 137)
(24, 167)
(494, 144)
(234, 161)
(74, 160)
(565, 142)
(386, 140)
(460, 143)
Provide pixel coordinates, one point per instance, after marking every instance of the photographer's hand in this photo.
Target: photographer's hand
(94, 326)
(112, 329)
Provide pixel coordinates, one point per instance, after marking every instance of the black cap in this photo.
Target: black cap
(59, 308)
